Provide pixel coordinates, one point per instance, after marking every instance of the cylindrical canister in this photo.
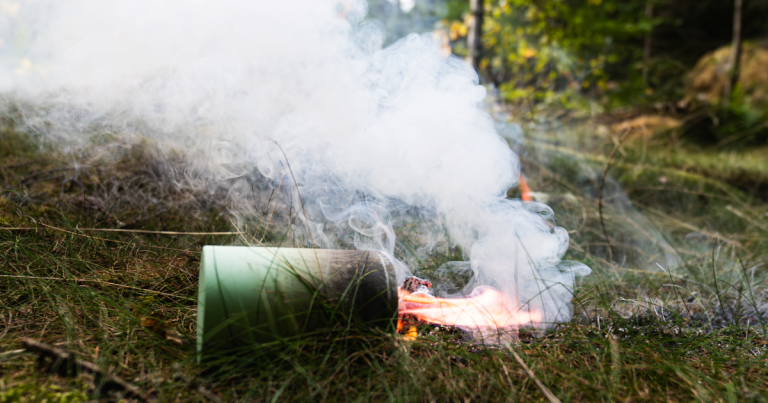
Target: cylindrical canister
(253, 295)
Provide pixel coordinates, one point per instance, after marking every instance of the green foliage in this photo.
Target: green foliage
(555, 50)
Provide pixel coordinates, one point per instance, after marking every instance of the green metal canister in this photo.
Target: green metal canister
(251, 295)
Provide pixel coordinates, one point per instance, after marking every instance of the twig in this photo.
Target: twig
(10, 353)
(137, 231)
(506, 373)
(107, 239)
(65, 363)
(544, 390)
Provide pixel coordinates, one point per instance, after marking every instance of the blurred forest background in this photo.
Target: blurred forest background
(676, 64)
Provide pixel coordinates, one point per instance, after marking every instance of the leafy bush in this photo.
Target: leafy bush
(553, 51)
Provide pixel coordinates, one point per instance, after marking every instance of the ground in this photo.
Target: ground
(691, 328)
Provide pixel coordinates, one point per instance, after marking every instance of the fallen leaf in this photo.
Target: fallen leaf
(156, 323)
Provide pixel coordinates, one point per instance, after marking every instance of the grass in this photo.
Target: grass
(640, 332)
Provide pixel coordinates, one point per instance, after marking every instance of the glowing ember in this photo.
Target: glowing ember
(484, 309)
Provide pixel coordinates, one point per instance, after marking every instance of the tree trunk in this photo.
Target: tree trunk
(732, 69)
(474, 44)
(647, 45)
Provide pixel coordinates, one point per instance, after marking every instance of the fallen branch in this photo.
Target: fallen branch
(66, 364)
(133, 231)
(544, 390)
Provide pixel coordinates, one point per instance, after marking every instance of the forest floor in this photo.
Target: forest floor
(692, 327)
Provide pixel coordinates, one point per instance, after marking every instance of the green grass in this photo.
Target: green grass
(640, 333)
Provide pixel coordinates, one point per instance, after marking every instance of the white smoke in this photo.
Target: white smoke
(294, 103)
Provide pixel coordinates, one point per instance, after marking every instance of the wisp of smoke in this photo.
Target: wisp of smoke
(295, 105)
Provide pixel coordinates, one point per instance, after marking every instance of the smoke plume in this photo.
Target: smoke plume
(295, 106)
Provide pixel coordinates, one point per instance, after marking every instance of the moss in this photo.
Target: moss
(41, 393)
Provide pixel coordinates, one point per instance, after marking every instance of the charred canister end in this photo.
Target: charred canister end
(374, 286)
(366, 283)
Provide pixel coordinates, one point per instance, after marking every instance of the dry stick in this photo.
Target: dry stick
(506, 372)
(108, 240)
(10, 353)
(544, 390)
(137, 231)
(66, 360)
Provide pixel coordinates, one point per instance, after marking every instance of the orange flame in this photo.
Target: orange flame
(525, 191)
(482, 311)
(485, 310)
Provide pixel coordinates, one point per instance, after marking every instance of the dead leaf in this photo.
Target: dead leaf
(174, 336)
(156, 323)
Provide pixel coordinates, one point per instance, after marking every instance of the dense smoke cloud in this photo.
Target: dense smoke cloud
(294, 103)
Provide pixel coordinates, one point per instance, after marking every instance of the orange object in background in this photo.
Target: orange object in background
(526, 194)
